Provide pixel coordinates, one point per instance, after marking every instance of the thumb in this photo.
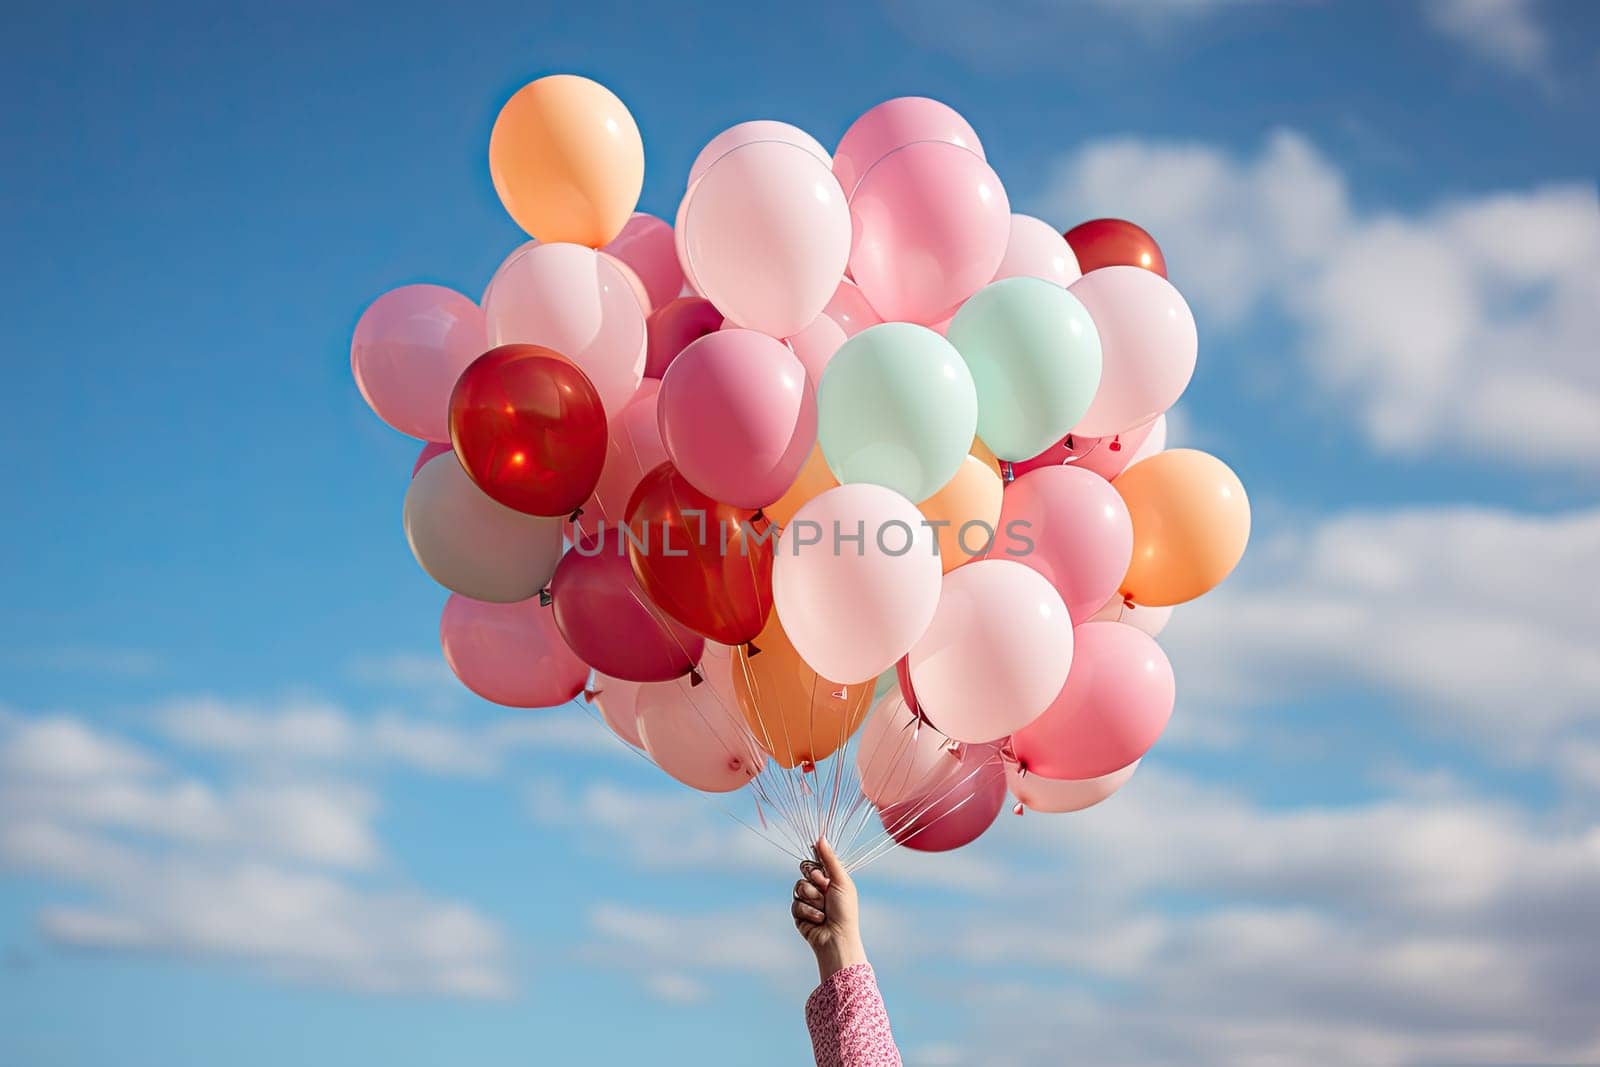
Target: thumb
(830, 863)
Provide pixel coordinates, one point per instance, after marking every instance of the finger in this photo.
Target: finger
(809, 893)
(801, 910)
(818, 879)
(830, 862)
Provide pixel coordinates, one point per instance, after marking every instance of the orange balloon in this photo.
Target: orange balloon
(972, 496)
(814, 478)
(1191, 520)
(567, 160)
(990, 460)
(795, 713)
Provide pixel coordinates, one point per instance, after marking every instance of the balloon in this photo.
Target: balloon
(705, 563)
(566, 160)
(577, 302)
(608, 620)
(814, 479)
(980, 451)
(1151, 620)
(678, 245)
(673, 326)
(894, 124)
(429, 450)
(816, 345)
(996, 653)
(515, 252)
(692, 737)
(1105, 456)
(954, 811)
(897, 408)
(529, 429)
(410, 346)
(646, 246)
(1116, 702)
(796, 714)
(1073, 528)
(902, 674)
(965, 514)
(641, 295)
(716, 667)
(633, 448)
(767, 233)
(470, 544)
(1115, 242)
(738, 416)
(855, 581)
(1036, 250)
(618, 701)
(1035, 360)
(1155, 440)
(1191, 521)
(930, 222)
(1147, 342)
(749, 132)
(1062, 795)
(510, 654)
(887, 682)
(850, 309)
(898, 756)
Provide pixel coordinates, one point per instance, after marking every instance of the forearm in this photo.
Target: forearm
(837, 955)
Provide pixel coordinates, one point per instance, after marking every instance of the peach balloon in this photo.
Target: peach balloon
(797, 715)
(566, 158)
(618, 701)
(981, 451)
(1065, 794)
(814, 479)
(1191, 521)
(965, 513)
(692, 737)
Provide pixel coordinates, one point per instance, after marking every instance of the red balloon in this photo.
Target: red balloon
(673, 325)
(529, 428)
(705, 563)
(610, 622)
(902, 673)
(957, 809)
(1115, 242)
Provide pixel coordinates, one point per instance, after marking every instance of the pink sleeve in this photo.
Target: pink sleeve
(849, 1026)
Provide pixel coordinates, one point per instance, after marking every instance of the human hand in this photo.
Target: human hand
(826, 913)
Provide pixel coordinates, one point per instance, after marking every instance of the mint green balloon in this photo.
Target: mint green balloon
(1035, 358)
(896, 407)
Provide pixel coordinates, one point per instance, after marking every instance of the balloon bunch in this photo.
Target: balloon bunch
(848, 489)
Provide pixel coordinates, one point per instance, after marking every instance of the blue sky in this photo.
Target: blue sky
(247, 817)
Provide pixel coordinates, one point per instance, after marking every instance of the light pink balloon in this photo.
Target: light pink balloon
(510, 654)
(996, 652)
(815, 346)
(618, 700)
(738, 416)
(898, 756)
(931, 222)
(410, 346)
(1147, 345)
(678, 245)
(1036, 250)
(646, 245)
(1152, 620)
(852, 608)
(767, 235)
(850, 309)
(576, 301)
(1115, 704)
(531, 242)
(1072, 527)
(633, 448)
(1155, 440)
(956, 810)
(673, 325)
(894, 124)
(635, 283)
(429, 450)
(1062, 795)
(1105, 456)
(692, 737)
(749, 132)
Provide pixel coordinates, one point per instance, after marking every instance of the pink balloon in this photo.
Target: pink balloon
(617, 699)
(931, 222)
(816, 344)
(954, 811)
(610, 622)
(767, 234)
(673, 326)
(1058, 795)
(410, 346)
(852, 607)
(1072, 527)
(894, 124)
(646, 245)
(1105, 456)
(1152, 620)
(850, 309)
(716, 670)
(1155, 441)
(749, 132)
(897, 755)
(633, 447)
(429, 450)
(692, 737)
(1036, 249)
(576, 301)
(641, 295)
(483, 301)
(1147, 344)
(738, 416)
(677, 241)
(995, 654)
(510, 654)
(1115, 704)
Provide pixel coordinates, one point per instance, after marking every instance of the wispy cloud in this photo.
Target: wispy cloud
(1505, 33)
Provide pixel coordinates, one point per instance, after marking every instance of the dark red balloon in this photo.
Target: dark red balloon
(705, 563)
(957, 809)
(1115, 242)
(529, 429)
(902, 673)
(609, 621)
(672, 326)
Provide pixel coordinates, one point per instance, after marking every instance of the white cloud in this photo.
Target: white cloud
(1506, 33)
(64, 749)
(1469, 326)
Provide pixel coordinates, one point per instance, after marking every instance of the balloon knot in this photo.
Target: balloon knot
(1007, 475)
(750, 649)
(954, 748)
(589, 695)
(1070, 446)
(1127, 601)
(1116, 443)
(735, 763)
(807, 767)
(695, 677)
(546, 598)
(1017, 810)
(760, 516)
(576, 514)
(840, 693)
